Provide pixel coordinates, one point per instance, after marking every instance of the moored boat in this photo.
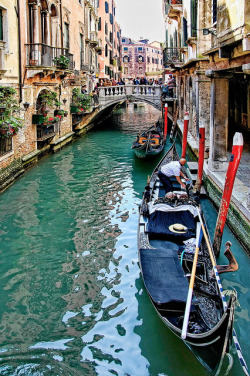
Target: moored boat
(169, 239)
(149, 143)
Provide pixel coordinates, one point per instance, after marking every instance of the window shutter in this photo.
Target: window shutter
(100, 24)
(1, 24)
(184, 33)
(194, 18)
(106, 7)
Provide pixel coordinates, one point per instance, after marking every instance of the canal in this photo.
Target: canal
(72, 298)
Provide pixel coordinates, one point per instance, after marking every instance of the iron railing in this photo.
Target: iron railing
(172, 55)
(40, 54)
(47, 131)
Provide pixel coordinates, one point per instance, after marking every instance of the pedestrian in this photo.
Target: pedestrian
(164, 89)
(172, 169)
(84, 89)
(170, 85)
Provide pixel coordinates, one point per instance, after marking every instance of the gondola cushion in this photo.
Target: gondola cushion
(159, 222)
(163, 276)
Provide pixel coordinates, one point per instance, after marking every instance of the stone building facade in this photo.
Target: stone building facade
(140, 58)
(109, 33)
(47, 49)
(207, 50)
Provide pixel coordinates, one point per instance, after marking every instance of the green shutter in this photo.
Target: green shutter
(194, 18)
(1, 24)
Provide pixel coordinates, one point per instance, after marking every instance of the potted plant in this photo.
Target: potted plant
(10, 123)
(80, 100)
(38, 118)
(65, 113)
(61, 62)
(59, 112)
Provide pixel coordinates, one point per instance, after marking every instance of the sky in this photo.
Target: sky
(141, 18)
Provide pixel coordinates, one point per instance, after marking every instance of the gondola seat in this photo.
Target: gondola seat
(164, 277)
(159, 222)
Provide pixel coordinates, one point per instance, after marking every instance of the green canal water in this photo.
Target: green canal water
(72, 298)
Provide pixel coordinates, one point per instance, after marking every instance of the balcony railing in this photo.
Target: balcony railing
(172, 55)
(44, 132)
(174, 2)
(39, 54)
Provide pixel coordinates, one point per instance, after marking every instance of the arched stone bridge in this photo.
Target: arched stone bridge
(110, 95)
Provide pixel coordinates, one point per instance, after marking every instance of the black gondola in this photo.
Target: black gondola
(149, 143)
(167, 233)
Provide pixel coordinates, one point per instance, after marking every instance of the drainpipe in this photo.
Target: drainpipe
(61, 21)
(19, 51)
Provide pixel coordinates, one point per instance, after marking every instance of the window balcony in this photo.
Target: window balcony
(172, 55)
(44, 56)
(44, 132)
(93, 38)
(174, 9)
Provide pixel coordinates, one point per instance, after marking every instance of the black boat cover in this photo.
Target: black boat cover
(159, 222)
(163, 275)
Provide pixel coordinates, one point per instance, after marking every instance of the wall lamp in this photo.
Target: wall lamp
(26, 106)
(64, 101)
(209, 31)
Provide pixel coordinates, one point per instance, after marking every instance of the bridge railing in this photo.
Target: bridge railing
(126, 90)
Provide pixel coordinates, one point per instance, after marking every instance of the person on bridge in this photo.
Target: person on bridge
(169, 170)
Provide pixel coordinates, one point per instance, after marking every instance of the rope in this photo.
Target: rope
(216, 273)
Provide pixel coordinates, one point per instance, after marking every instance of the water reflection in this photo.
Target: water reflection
(72, 299)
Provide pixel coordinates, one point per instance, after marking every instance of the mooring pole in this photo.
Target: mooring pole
(201, 156)
(185, 133)
(165, 122)
(228, 188)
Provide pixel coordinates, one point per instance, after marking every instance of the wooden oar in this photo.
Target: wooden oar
(191, 283)
(212, 257)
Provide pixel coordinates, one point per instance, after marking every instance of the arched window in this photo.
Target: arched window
(45, 28)
(54, 26)
(125, 59)
(140, 59)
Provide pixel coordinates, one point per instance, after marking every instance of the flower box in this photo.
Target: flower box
(37, 119)
(74, 109)
(59, 112)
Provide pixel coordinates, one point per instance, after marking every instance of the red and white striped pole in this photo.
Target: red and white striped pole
(165, 122)
(201, 156)
(184, 136)
(228, 188)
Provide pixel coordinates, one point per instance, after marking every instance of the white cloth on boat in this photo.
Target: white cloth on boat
(171, 169)
(168, 208)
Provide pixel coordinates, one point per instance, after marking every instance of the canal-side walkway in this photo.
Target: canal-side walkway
(239, 216)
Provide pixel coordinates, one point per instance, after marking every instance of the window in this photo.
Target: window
(126, 59)
(111, 37)
(140, 59)
(82, 49)
(106, 7)
(194, 18)
(184, 31)
(149, 60)
(125, 49)
(100, 24)
(66, 35)
(106, 28)
(1, 24)
(214, 11)
(5, 145)
(153, 60)
(106, 50)
(123, 40)
(111, 18)
(139, 48)
(126, 70)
